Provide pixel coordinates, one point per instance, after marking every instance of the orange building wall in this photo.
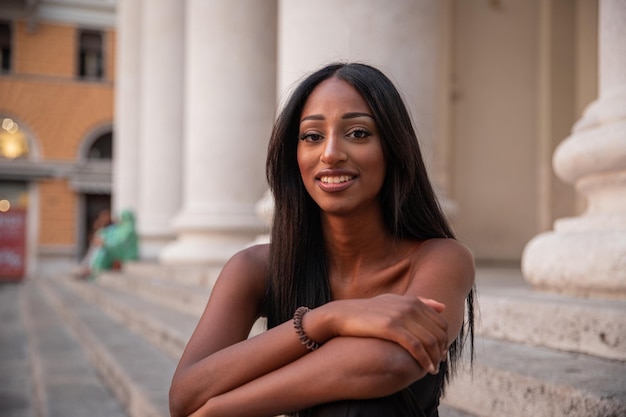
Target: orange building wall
(59, 114)
(45, 96)
(48, 50)
(57, 213)
(109, 44)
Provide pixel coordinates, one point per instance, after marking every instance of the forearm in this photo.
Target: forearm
(234, 364)
(343, 368)
(232, 367)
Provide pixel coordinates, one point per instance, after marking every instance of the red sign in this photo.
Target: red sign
(12, 244)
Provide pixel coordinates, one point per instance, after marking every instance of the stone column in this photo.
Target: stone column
(161, 123)
(126, 129)
(586, 255)
(402, 40)
(419, 68)
(407, 41)
(230, 106)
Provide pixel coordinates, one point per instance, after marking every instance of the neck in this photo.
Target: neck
(355, 243)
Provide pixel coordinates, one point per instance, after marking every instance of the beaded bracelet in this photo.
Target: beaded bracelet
(297, 324)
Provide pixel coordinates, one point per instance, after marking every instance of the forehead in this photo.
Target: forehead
(334, 94)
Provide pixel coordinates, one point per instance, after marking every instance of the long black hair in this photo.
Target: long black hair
(298, 266)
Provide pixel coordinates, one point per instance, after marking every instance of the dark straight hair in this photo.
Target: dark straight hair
(298, 266)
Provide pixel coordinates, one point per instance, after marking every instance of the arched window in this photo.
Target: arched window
(102, 147)
(13, 142)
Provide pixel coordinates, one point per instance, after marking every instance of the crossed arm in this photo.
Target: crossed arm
(381, 345)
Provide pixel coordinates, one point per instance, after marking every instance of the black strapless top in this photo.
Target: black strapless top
(420, 399)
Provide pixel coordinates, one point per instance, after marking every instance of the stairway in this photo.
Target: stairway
(540, 354)
(111, 346)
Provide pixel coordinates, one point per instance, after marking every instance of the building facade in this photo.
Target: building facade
(56, 109)
(494, 87)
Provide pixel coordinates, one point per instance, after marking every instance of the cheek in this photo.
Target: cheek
(380, 167)
(304, 161)
(376, 161)
(304, 169)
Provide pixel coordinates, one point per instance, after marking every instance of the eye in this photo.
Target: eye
(310, 137)
(359, 134)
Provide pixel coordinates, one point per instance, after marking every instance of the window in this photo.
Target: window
(13, 142)
(102, 147)
(5, 47)
(90, 55)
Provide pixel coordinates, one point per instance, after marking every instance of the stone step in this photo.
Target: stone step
(186, 298)
(505, 374)
(196, 275)
(511, 310)
(508, 310)
(167, 329)
(515, 380)
(448, 411)
(47, 371)
(507, 371)
(136, 371)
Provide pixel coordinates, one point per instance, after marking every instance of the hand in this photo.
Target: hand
(414, 323)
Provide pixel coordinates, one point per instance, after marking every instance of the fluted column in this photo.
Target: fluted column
(230, 106)
(161, 124)
(586, 255)
(126, 129)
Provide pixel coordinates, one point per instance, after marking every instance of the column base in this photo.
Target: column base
(211, 235)
(151, 245)
(586, 263)
(194, 249)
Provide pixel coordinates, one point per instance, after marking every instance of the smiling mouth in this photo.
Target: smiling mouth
(336, 179)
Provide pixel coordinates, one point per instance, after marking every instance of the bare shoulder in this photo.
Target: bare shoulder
(445, 260)
(446, 248)
(247, 268)
(255, 256)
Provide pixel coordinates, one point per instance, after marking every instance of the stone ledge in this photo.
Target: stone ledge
(510, 310)
(517, 381)
(198, 275)
(181, 297)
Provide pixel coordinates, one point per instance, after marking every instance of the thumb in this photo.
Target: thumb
(435, 305)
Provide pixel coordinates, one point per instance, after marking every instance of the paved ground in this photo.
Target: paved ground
(43, 369)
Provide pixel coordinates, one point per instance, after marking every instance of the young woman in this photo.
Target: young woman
(363, 284)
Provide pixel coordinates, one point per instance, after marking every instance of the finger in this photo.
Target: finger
(435, 316)
(431, 329)
(418, 351)
(426, 344)
(435, 305)
(435, 343)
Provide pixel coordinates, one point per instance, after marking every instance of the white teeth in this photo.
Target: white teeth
(335, 180)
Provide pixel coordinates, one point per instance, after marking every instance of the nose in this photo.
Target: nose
(333, 151)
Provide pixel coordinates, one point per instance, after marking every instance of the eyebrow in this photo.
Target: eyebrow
(345, 116)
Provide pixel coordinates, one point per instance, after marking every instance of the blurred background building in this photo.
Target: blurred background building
(56, 109)
(493, 86)
(165, 108)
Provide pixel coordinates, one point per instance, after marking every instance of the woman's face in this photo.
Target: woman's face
(339, 151)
